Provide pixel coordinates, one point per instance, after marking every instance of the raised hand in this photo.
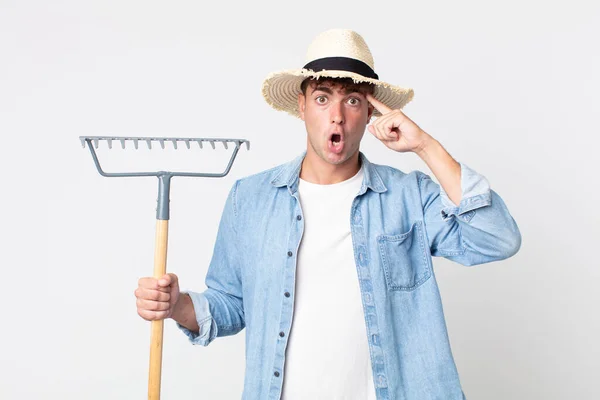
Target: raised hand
(395, 129)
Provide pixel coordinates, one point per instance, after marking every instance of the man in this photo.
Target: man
(326, 260)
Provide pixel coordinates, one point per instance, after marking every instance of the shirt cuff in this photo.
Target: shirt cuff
(476, 193)
(207, 327)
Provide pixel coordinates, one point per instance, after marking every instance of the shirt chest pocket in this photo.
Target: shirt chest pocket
(406, 262)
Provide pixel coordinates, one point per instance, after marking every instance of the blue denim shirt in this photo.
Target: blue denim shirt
(398, 222)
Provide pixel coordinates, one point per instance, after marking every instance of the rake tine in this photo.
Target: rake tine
(123, 143)
(225, 144)
(109, 143)
(199, 143)
(162, 143)
(96, 143)
(174, 143)
(135, 143)
(82, 142)
(212, 143)
(187, 143)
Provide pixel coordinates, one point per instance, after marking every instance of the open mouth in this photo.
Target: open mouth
(336, 143)
(336, 139)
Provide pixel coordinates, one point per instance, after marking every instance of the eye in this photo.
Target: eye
(353, 101)
(321, 99)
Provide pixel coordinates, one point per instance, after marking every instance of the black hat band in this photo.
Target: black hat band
(342, 64)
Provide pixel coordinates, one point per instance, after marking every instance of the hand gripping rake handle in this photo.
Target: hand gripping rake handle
(162, 223)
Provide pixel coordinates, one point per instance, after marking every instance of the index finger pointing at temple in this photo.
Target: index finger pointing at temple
(382, 108)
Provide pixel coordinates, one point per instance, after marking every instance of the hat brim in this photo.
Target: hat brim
(280, 89)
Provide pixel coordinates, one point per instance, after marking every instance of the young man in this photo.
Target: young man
(326, 260)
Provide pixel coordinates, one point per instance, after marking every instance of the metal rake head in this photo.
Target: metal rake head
(161, 140)
(93, 142)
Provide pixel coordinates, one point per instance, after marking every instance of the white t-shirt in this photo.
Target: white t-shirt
(327, 356)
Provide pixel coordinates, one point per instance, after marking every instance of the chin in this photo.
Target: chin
(337, 159)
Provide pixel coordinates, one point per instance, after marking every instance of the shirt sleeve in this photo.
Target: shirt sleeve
(207, 327)
(475, 190)
(478, 230)
(219, 309)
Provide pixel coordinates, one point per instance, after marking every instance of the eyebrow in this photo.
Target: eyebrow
(329, 91)
(323, 89)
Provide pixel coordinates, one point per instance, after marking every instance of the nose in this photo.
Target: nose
(337, 113)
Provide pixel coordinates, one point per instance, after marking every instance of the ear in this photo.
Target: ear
(301, 105)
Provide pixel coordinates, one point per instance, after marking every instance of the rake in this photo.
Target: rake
(162, 219)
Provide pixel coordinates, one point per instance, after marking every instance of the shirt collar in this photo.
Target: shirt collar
(289, 175)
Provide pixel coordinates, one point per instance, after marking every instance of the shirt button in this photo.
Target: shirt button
(287, 294)
(276, 373)
(289, 253)
(299, 217)
(281, 334)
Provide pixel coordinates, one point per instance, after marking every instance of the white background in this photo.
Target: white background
(509, 88)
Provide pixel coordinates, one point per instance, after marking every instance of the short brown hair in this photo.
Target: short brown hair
(347, 84)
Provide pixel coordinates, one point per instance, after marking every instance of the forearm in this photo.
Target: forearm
(184, 313)
(445, 168)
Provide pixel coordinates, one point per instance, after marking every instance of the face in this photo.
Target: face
(335, 121)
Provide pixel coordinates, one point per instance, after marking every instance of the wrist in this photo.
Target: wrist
(178, 306)
(423, 149)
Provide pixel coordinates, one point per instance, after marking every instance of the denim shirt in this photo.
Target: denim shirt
(398, 222)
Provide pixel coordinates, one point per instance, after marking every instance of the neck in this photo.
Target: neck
(316, 170)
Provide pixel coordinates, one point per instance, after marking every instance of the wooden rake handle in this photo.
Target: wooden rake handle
(156, 338)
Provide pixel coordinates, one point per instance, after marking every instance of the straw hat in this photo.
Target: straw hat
(337, 53)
